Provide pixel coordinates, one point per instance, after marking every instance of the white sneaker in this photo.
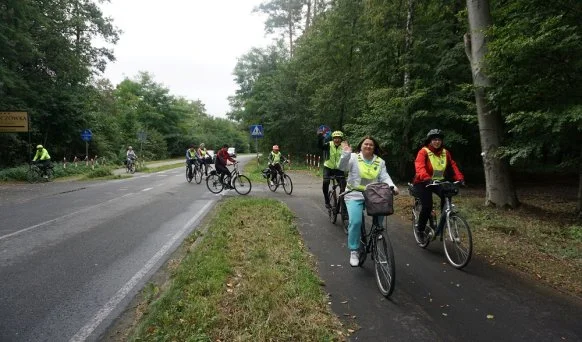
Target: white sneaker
(354, 259)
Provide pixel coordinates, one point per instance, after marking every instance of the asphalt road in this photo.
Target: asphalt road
(74, 254)
(432, 301)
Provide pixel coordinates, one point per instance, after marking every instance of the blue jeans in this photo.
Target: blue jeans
(355, 210)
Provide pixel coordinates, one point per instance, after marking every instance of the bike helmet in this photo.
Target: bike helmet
(434, 133)
(129, 148)
(202, 145)
(337, 134)
(38, 147)
(275, 147)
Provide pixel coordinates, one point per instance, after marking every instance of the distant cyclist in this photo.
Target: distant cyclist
(332, 151)
(433, 162)
(222, 159)
(190, 158)
(201, 156)
(364, 167)
(130, 155)
(275, 160)
(42, 158)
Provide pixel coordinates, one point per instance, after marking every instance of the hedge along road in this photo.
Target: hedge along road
(73, 254)
(432, 301)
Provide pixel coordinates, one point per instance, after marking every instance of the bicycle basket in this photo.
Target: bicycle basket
(379, 199)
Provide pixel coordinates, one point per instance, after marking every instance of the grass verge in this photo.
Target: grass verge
(249, 279)
(542, 238)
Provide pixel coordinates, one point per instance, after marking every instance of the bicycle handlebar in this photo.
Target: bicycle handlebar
(437, 183)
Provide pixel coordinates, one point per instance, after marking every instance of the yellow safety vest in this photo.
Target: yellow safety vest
(334, 156)
(368, 172)
(439, 164)
(276, 157)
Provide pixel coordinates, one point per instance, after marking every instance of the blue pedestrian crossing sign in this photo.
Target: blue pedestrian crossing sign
(257, 131)
(86, 135)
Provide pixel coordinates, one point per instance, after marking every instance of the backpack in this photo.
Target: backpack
(379, 199)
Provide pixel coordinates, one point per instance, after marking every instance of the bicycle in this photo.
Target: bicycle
(282, 179)
(376, 241)
(36, 173)
(338, 207)
(196, 173)
(452, 228)
(130, 166)
(240, 183)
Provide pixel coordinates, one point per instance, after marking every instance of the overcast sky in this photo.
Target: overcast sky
(190, 46)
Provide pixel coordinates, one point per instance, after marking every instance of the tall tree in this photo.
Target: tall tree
(285, 16)
(499, 185)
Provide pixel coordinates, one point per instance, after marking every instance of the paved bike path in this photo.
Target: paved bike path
(432, 301)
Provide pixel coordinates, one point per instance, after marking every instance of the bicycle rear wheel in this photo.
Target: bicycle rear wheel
(242, 184)
(458, 241)
(363, 253)
(332, 212)
(422, 239)
(132, 168)
(50, 174)
(344, 216)
(287, 185)
(188, 178)
(214, 184)
(272, 185)
(384, 264)
(198, 175)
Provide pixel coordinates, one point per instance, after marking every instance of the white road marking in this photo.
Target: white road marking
(88, 329)
(61, 217)
(147, 189)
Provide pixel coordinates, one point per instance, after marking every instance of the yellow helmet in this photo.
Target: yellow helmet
(337, 134)
(38, 147)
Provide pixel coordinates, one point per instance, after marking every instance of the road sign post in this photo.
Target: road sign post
(256, 133)
(86, 135)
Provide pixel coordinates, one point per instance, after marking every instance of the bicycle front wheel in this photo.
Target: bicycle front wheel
(49, 174)
(242, 184)
(132, 168)
(458, 241)
(32, 176)
(332, 212)
(214, 184)
(287, 184)
(384, 264)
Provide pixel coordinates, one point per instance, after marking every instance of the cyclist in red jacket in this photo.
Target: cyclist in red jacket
(433, 162)
(222, 157)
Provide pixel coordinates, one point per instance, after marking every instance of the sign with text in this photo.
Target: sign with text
(11, 122)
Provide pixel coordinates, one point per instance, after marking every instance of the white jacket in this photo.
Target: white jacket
(349, 162)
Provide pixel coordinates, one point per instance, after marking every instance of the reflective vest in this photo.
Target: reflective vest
(203, 152)
(368, 172)
(276, 157)
(334, 156)
(41, 155)
(439, 164)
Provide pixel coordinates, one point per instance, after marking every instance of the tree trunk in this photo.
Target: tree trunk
(500, 191)
(308, 15)
(406, 82)
(579, 205)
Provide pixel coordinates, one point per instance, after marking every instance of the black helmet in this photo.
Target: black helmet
(434, 133)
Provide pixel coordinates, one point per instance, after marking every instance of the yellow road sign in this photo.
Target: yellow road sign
(13, 122)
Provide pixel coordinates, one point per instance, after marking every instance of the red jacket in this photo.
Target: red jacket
(424, 168)
(222, 156)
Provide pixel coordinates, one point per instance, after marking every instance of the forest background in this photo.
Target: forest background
(390, 68)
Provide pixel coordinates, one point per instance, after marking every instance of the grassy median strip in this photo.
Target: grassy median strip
(250, 279)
